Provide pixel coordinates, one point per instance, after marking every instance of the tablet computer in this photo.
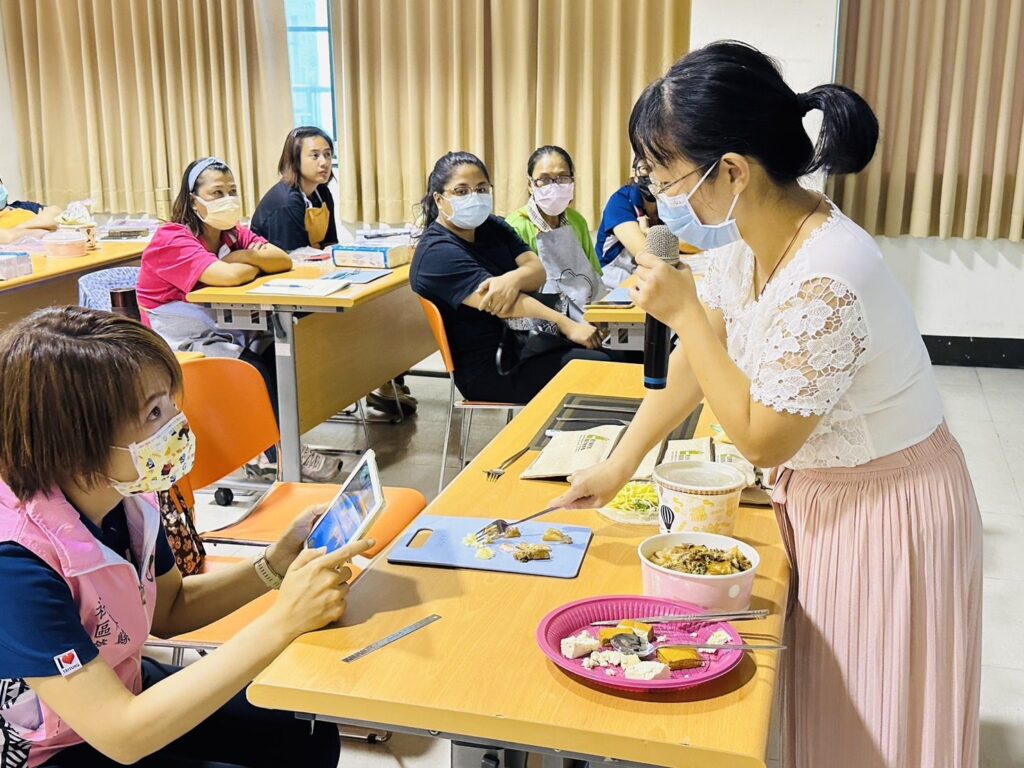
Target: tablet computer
(351, 513)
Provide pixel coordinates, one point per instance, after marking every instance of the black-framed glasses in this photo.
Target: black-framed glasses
(545, 181)
(463, 191)
(660, 189)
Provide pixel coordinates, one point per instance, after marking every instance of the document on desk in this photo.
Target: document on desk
(295, 287)
(361, 276)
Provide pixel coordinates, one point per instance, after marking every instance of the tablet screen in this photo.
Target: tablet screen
(348, 511)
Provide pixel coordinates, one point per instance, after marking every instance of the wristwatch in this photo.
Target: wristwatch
(266, 572)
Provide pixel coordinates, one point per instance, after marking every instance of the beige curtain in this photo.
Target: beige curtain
(417, 78)
(945, 78)
(113, 98)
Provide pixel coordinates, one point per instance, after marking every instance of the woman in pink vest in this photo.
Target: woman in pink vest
(89, 430)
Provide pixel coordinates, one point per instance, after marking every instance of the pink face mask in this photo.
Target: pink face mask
(554, 198)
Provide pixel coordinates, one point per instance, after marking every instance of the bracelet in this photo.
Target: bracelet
(266, 572)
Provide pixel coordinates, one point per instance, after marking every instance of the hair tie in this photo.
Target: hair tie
(198, 169)
(806, 102)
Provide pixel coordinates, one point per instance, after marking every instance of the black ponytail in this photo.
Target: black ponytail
(730, 97)
(439, 177)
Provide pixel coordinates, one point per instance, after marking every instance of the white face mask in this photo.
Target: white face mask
(161, 460)
(554, 198)
(470, 211)
(223, 213)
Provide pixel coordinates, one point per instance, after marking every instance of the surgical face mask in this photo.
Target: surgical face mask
(222, 213)
(3, 197)
(554, 198)
(470, 211)
(677, 213)
(161, 460)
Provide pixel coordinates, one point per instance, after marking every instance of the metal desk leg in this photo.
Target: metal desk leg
(287, 395)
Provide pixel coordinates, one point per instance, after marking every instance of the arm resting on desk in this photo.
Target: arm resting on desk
(266, 258)
(226, 274)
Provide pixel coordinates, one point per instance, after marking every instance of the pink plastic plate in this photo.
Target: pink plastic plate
(575, 617)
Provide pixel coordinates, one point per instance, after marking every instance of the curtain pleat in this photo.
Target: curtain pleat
(944, 77)
(416, 79)
(113, 98)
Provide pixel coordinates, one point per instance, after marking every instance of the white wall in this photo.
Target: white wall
(10, 162)
(958, 287)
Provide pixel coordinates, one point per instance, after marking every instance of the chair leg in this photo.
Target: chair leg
(447, 436)
(177, 656)
(398, 401)
(509, 414)
(362, 420)
(469, 432)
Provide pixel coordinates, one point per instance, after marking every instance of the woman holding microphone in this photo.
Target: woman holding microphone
(807, 351)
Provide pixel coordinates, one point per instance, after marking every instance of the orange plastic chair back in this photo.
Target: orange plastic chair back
(228, 408)
(437, 328)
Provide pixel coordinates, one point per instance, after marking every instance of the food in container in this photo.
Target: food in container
(65, 244)
(727, 592)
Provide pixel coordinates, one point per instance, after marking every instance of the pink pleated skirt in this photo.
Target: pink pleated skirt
(884, 666)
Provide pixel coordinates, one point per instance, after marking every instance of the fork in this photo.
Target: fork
(498, 527)
(493, 475)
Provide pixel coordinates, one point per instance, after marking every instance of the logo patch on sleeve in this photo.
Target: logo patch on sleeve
(67, 662)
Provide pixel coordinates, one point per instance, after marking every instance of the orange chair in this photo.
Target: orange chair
(468, 407)
(229, 411)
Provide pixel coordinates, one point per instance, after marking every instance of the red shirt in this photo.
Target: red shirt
(175, 259)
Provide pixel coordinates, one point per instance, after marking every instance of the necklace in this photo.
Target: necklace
(790, 245)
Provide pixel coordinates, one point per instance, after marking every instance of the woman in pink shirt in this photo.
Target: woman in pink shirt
(204, 244)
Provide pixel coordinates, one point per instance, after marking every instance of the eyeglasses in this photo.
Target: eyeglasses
(660, 189)
(544, 181)
(463, 191)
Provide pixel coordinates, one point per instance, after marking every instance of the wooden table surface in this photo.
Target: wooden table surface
(108, 254)
(347, 298)
(478, 673)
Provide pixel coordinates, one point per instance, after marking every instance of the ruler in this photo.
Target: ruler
(390, 638)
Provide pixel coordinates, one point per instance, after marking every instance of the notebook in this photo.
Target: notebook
(295, 287)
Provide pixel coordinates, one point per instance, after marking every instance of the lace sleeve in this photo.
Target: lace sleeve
(814, 346)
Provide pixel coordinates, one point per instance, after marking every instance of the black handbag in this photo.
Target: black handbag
(518, 346)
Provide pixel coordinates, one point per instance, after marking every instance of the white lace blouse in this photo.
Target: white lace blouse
(833, 335)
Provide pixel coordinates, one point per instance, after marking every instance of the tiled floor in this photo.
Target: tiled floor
(985, 410)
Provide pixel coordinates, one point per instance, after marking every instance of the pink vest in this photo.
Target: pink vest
(115, 605)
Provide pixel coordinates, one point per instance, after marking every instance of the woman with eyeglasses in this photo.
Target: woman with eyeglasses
(806, 349)
(628, 214)
(557, 232)
(479, 273)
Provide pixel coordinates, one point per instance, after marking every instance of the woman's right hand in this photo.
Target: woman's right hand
(315, 589)
(594, 487)
(583, 334)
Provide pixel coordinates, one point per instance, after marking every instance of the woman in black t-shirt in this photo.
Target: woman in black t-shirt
(478, 272)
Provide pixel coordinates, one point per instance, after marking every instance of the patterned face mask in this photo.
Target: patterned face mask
(162, 459)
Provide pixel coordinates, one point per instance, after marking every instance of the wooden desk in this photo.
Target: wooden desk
(477, 675)
(55, 281)
(330, 351)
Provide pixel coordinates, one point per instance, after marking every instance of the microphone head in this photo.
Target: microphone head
(663, 244)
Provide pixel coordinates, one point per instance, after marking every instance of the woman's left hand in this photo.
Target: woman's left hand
(663, 291)
(281, 553)
(498, 295)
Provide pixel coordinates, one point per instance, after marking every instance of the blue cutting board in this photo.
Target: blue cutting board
(444, 547)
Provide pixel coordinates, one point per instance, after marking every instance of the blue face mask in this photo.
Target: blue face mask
(677, 213)
(3, 197)
(470, 211)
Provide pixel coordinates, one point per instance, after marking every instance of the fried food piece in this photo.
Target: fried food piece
(526, 552)
(680, 658)
(557, 536)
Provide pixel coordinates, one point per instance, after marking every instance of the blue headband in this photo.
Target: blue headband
(198, 169)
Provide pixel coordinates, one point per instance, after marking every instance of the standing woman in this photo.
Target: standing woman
(809, 355)
(557, 232)
(298, 211)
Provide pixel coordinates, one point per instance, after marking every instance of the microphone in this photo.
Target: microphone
(665, 245)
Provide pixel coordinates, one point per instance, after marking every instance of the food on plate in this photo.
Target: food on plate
(579, 645)
(512, 532)
(606, 658)
(607, 633)
(527, 552)
(648, 670)
(638, 499)
(557, 536)
(629, 659)
(611, 671)
(701, 560)
(680, 658)
(485, 553)
(646, 631)
(718, 637)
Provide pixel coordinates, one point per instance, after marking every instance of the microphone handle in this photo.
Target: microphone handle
(656, 352)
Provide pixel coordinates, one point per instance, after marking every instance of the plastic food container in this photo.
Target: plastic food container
(727, 593)
(700, 496)
(65, 244)
(89, 230)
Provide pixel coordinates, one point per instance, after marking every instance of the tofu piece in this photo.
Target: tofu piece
(680, 658)
(485, 553)
(589, 663)
(611, 671)
(607, 658)
(646, 631)
(557, 536)
(629, 659)
(579, 645)
(718, 637)
(512, 532)
(648, 670)
(607, 633)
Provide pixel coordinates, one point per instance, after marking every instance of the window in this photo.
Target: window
(311, 62)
